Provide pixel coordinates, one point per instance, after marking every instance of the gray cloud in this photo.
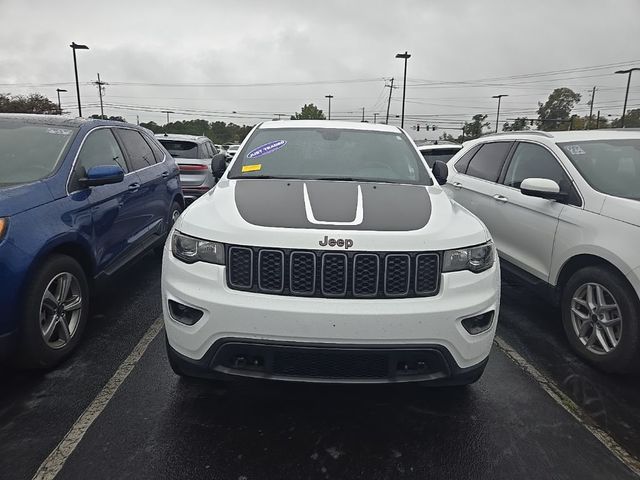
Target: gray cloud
(250, 41)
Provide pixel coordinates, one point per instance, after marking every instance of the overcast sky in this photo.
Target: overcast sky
(184, 55)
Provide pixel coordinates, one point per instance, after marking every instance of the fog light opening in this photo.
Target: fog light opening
(478, 323)
(183, 313)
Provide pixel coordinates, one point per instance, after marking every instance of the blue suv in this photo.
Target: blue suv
(78, 200)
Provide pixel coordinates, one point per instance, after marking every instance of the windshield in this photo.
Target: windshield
(30, 152)
(440, 154)
(324, 153)
(180, 148)
(609, 166)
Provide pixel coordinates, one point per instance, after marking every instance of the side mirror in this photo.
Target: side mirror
(218, 165)
(102, 175)
(542, 188)
(440, 171)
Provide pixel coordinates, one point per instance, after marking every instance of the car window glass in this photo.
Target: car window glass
(157, 153)
(140, 154)
(99, 148)
(488, 162)
(209, 150)
(462, 164)
(439, 154)
(533, 161)
(214, 150)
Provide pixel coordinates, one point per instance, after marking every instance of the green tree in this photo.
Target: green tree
(218, 132)
(631, 120)
(33, 103)
(309, 112)
(474, 128)
(520, 123)
(447, 137)
(556, 111)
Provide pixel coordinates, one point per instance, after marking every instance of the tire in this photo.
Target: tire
(580, 313)
(175, 212)
(44, 296)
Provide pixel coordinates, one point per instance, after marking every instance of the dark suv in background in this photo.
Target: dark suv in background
(193, 155)
(79, 199)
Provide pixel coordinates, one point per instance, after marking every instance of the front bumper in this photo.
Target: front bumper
(430, 326)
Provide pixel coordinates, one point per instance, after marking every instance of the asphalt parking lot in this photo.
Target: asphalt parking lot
(538, 412)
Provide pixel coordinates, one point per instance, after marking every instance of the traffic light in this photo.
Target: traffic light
(417, 128)
(433, 128)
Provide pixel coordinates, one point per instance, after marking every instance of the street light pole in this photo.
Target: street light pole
(375, 118)
(406, 57)
(329, 97)
(499, 97)
(59, 104)
(74, 46)
(626, 95)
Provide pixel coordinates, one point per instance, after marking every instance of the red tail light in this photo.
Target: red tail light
(193, 168)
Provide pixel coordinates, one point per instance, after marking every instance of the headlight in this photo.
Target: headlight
(3, 227)
(191, 250)
(476, 259)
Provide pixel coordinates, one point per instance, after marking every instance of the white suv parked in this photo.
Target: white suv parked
(329, 253)
(564, 211)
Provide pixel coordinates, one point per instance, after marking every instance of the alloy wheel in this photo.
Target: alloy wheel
(596, 318)
(60, 310)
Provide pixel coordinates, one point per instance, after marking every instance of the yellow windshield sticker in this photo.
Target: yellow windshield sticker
(251, 168)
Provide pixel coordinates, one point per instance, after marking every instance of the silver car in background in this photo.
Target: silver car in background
(193, 155)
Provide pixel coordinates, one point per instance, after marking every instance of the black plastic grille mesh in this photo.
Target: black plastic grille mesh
(303, 272)
(240, 267)
(366, 273)
(271, 270)
(333, 274)
(426, 273)
(331, 364)
(397, 276)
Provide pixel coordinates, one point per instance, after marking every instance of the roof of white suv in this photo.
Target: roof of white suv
(564, 136)
(330, 124)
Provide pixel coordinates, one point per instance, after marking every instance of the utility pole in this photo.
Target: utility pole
(100, 86)
(598, 121)
(138, 119)
(375, 118)
(59, 104)
(329, 97)
(593, 96)
(391, 87)
(363, 114)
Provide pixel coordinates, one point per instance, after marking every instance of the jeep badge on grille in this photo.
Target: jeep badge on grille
(345, 243)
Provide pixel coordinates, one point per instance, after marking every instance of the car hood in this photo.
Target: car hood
(300, 214)
(623, 209)
(19, 198)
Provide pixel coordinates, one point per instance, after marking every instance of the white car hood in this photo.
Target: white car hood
(216, 216)
(623, 209)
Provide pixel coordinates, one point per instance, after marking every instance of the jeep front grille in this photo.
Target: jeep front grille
(321, 273)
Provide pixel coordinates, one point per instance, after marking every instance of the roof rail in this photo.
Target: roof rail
(521, 132)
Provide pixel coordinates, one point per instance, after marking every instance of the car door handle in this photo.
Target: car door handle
(134, 186)
(456, 184)
(501, 198)
(165, 174)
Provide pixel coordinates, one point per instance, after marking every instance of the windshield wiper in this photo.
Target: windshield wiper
(352, 179)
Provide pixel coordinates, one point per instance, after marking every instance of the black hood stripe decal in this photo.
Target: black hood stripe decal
(333, 205)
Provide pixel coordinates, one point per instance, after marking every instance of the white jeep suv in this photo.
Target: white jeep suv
(329, 253)
(564, 211)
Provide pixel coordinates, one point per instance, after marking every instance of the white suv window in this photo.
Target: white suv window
(533, 161)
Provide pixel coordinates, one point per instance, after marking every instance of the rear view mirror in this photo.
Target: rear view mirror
(103, 175)
(542, 188)
(440, 171)
(218, 165)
